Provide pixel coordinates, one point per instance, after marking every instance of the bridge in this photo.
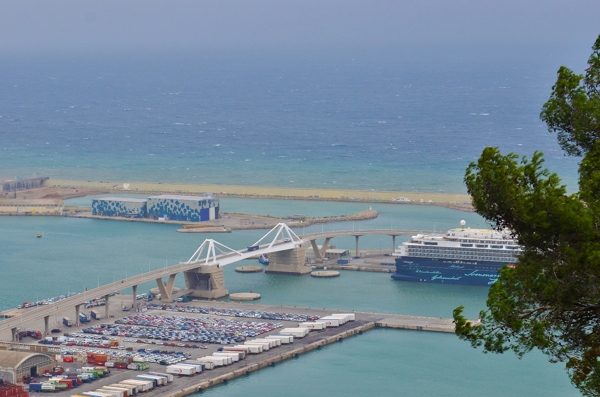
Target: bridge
(203, 271)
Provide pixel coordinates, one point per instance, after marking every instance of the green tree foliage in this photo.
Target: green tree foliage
(551, 299)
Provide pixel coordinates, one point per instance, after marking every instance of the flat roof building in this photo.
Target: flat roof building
(183, 208)
(126, 207)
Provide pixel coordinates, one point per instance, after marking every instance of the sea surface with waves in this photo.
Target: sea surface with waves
(347, 120)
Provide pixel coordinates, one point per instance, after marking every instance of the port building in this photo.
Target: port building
(14, 366)
(31, 207)
(12, 185)
(183, 208)
(164, 207)
(120, 206)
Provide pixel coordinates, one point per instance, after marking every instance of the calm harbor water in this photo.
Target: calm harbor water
(79, 253)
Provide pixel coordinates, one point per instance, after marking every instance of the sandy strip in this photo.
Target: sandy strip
(258, 191)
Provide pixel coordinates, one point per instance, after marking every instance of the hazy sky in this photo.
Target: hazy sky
(263, 24)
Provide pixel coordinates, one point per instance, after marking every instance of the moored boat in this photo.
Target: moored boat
(461, 256)
(264, 259)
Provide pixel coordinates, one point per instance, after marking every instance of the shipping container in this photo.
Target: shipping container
(198, 367)
(285, 339)
(329, 321)
(349, 316)
(67, 321)
(133, 389)
(265, 345)
(252, 349)
(115, 393)
(83, 318)
(47, 386)
(168, 376)
(216, 361)
(235, 356)
(272, 342)
(143, 385)
(342, 317)
(155, 382)
(241, 353)
(35, 387)
(118, 388)
(205, 364)
(299, 332)
(96, 393)
(313, 325)
(228, 360)
(182, 370)
(95, 315)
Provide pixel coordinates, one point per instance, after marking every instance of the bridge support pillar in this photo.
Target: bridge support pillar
(166, 290)
(357, 251)
(77, 311)
(320, 253)
(206, 282)
(393, 243)
(106, 315)
(13, 332)
(46, 325)
(134, 303)
(292, 261)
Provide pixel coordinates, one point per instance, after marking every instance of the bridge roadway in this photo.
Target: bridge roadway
(320, 252)
(45, 311)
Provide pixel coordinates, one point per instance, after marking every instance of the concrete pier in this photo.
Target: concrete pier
(184, 386)
(289, 261)
(206, 282)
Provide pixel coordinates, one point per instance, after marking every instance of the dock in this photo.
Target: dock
(182, 386)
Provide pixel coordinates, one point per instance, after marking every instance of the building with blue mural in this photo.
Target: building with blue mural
(183, 208)
(119, 206)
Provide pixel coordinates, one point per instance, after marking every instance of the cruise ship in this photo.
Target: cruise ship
(461, 256)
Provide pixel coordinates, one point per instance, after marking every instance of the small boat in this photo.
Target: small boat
(264, 259)
(39, 235)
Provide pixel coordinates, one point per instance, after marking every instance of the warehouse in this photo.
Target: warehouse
(183, 208)
(14, 366)
(14, 184)
(119, 206)
(31, 207)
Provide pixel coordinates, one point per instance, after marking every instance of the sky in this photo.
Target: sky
(196, 25)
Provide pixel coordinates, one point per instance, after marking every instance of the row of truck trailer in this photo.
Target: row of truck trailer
(145, 381)
(230, 354)
(125, 388)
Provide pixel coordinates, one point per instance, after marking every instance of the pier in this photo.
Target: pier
(183, 386)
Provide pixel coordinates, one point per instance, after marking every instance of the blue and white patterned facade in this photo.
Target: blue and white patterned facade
(183, 208)
(119, 206)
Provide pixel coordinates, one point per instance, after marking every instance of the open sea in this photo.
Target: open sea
(349, 120)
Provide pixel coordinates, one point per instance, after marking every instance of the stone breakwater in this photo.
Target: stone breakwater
(359, 216)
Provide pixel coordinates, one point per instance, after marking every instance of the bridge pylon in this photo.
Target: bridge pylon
(291, 261)
(207, 280)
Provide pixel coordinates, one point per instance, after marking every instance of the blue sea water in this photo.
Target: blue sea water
(350, 120)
